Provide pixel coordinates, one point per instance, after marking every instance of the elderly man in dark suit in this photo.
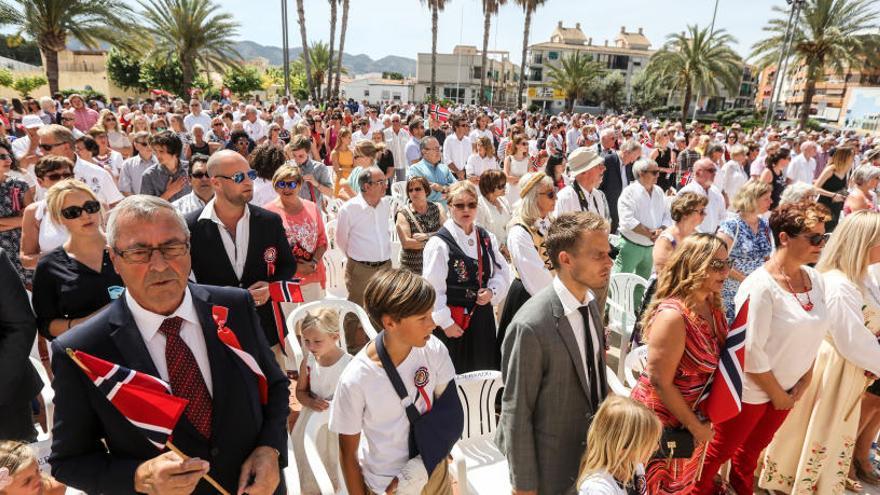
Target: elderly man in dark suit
(553, 362)
(237, 244)
(19, 381)
(163, 326)
(618, 175)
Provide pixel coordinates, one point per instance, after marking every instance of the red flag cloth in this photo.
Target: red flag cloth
(440, 113)
(220, 314)
(144, 400)
(724, 400)
(283, 291)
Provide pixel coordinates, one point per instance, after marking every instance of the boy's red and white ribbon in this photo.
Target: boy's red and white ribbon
(220, 314)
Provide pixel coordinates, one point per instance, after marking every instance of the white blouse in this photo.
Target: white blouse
(781, 336)
(529, 266)
(852, 339)
(476, 165)
(493, 219)
(436, 268)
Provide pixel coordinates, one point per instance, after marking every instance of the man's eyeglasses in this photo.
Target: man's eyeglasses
(199, 175)
(710, 170)
(67, 119)
(464, 206)
(141, 143)
(74, 212)
(500, 187)
(58, 176)
(144, 254)
(380, 181)
(5, 156)
(239, 177)
(652, 172)
(49, 146)
(291, 184)
(816, 239)
(721, 265)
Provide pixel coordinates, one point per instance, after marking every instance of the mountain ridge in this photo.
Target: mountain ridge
(356, 64)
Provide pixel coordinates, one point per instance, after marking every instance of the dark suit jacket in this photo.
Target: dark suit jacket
(211, 265)
(19, 381)
(85, 421)
(612, 186)
(545, 405)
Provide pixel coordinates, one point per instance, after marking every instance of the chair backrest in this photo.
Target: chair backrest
(317, 420)
(621, 289)
(340, 305)
(477, 391)
(330, 230)
(48, 395)
(398, 191)
(636, 362)
(334, 264)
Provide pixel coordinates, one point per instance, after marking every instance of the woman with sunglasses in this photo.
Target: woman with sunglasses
(41, 234)
(15, 195)
(117, 140)
(811, 452)
(463, 264)
(787, 319)
(77, 279)
(304, 228)
(685, 331)
(416, 222)
(516, 164)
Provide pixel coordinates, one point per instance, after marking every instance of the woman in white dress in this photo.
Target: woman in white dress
(516, 164)
(493, 211)
(39, 233)
(481, 161)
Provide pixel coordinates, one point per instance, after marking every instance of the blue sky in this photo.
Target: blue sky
(403, 27)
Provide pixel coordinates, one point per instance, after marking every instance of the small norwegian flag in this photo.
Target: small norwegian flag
(724, 399)
(440, 113)
(143, 399)
(221, 314)
(287, 292)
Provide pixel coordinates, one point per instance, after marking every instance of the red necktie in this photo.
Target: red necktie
(185, 376)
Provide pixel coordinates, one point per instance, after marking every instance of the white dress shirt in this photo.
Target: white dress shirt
(397, 142)
(567, 200)
(801, 169)
(148, 324)
(363, 232)
(571, 310)
(730, 180)
(477, 164)
(256, 130)
(236, 249)
(436, 269)
(529, 265)
(715, 210)
(635, 206)
(457, 150)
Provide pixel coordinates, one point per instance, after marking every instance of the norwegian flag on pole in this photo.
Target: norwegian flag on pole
(287, 292)
(144, 400)
(221, 314)
(724, 399)
(440, 113)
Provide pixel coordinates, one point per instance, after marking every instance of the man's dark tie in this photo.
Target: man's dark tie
(185, 376)
(592, 375)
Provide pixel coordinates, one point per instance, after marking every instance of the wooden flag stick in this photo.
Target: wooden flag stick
(702, 461)
(75, 359)
(207, 477)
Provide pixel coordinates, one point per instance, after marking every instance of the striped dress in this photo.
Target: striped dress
(700, 358)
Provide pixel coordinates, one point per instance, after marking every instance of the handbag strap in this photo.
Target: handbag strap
(411, 412)
(407, 212)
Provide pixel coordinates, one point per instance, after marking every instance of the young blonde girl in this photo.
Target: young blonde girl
(20, 472)
(622, 437)
(341, 158)
(318, 375)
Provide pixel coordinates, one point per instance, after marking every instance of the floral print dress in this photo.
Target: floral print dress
(749, 251)
(12, 205)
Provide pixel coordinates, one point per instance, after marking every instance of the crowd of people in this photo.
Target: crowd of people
(477, 240)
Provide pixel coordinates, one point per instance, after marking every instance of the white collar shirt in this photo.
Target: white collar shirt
(456, 151)
(256, 130)
(801, 169)
(636, 206)
(715, 210)
(236, 249)
(571, 310)
(730, 180)
(363, 232)
(567, 200)
(148, 324)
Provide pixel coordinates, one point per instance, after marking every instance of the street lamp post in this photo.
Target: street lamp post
(783, 60)
(285, 48)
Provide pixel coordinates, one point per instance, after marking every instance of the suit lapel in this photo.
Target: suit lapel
(128, 339)
(567, 335)
(255, 267)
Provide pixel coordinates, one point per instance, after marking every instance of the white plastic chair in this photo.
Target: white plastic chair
(398, 191)
(334, 264)
(48, 395)
(317, 421)
(622, 310)
(291, 474)
(635, 364)
(396, 249)
(342, 306)
(330, 231)
(478, 466)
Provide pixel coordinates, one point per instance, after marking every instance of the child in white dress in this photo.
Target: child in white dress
(319, 373)
(623, 436)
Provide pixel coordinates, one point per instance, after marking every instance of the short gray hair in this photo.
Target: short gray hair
(865, 173)
(795, 192)
(143, 208)
(630, 145)
(367, 175)
(425, 141)
(641, 165)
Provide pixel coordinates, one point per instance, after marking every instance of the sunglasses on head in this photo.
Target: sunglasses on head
(239, 177)
(721, 265)
(58, 176)
(74, 212)
(290, 184)
(816, 239)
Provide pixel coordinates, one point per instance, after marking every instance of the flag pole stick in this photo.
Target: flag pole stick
(207, 477)
(702, 461)
(75, 359)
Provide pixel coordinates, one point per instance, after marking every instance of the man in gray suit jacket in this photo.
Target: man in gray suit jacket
(553, 362)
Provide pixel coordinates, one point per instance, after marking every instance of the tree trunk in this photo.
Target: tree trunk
(300, 12)
(487, 24)
(341, 47)
(522, 68)
(685, 105)
(51, 58)
(188, 66)
(434, 14)
(809, 93)
(329, 75)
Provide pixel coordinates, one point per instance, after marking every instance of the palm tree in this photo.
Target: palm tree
(328, 93)
(490, 8)
(829, 35)
(341, 47)
(529, 7)
(436, 7)
(699, 60)
(573, 76)
(51, 22)
(319, 53)
(307, 60)
(194, 30)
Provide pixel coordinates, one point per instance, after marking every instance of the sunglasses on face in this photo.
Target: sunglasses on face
(200, 175)
(49, 146)
(58, 176)
(74, 212)
(239, 177)
(816, 239)
(291, 184)
(721, 265)
(143, 254)
(464, 206)
(549, 194)
(501, 187)
(415, 189)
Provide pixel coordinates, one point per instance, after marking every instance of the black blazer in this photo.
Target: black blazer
(612, 186)
(19, 381)
(211, 265)
(96, 450)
